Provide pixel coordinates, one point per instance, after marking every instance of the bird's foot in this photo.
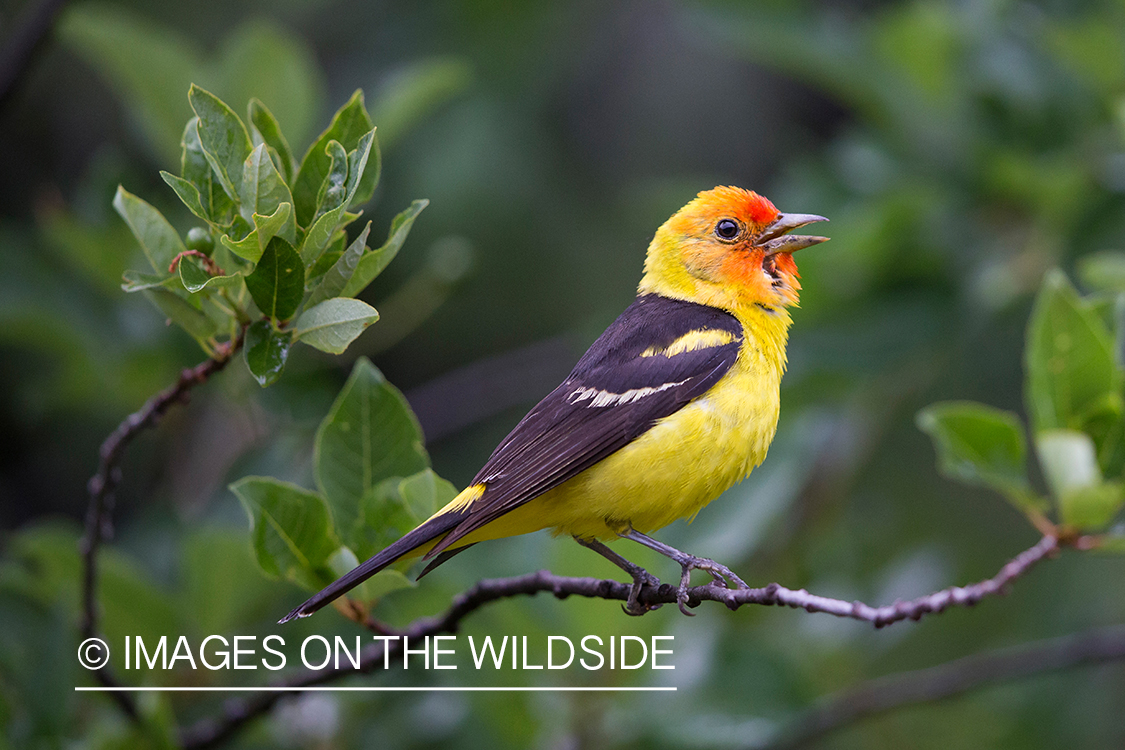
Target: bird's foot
(719, 573)
(641, 578)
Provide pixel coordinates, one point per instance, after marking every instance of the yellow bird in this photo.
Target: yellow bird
(673, 404)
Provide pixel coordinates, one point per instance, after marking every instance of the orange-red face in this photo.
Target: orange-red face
(736, 240)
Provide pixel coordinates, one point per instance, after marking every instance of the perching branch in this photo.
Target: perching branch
(914, 609)
(103, 485)
(936, 683)
(237, 712)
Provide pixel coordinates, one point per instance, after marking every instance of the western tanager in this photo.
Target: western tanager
(673, 404)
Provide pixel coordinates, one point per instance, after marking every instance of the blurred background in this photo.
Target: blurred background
(960, 150)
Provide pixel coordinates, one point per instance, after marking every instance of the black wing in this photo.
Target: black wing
(625, 383)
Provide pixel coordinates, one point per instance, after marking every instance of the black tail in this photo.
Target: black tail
(427, 532)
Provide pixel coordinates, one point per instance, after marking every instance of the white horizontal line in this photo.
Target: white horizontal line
(333, 689)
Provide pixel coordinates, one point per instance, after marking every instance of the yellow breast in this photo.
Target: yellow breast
(682, 463)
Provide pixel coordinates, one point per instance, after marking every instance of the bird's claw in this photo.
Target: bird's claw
(720, 574)
(682, 592)
(633, 605)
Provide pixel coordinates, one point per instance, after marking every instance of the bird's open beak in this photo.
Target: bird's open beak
(774, 239)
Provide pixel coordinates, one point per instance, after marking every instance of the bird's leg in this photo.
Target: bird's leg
(721, 573)
(641, 577)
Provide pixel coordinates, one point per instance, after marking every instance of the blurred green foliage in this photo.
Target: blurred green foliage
(961, 151)
(1074, 394)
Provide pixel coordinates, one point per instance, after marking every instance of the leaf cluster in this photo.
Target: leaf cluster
(374, 484)
(271, 255)
(1075, 376)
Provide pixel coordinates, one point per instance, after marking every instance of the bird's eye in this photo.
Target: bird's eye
(726, 229)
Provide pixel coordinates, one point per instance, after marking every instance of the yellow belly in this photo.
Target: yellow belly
(672, 471)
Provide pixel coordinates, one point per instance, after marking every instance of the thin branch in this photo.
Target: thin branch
(235, 713)
(914, 609)
(936, 683)
(103, 485)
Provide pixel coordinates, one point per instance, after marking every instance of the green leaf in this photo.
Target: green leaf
(158, 239)
(278, 282)
(320, 235)
(226, 144)
(1071, 373)
(290, 529)
(222, 282)
(377, 586)
(373, 263)
(192, 274)
(1108, 432)
(334, 324)
(334, 188)
(137, 281)
(349, 124)
(383, 517)
(188, 193)
(266, 351)
(194, 167)
(362, 179)
(251, 247)
(336, 278)
(326, 260)
(182, 313)
(265, 129)
(1070, 465)
(277, 224)
(425, 493)
(1091, 509)
(395, 506)
(980, 445)
(369, 435)
(263, 191)
(195, 277)
(345, 177)
(1068, 459)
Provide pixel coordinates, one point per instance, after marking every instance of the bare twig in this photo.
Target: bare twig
(914, 609)
(936, 683)
(236, 712)
(99, 524)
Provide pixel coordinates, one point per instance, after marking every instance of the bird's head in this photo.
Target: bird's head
(728, 248)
